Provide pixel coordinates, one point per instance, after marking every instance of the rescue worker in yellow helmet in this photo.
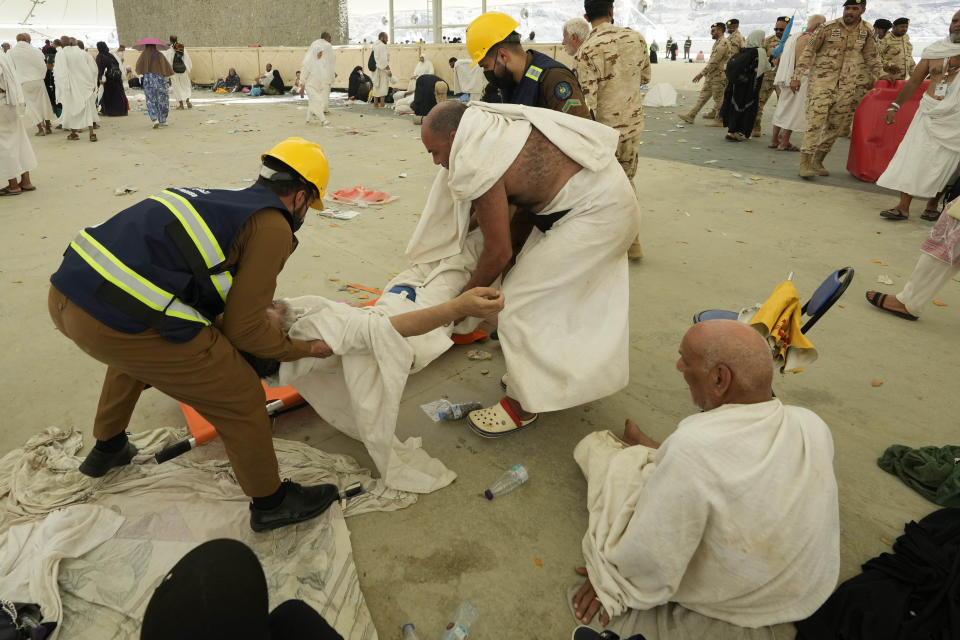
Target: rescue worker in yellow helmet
(171, 290)
(516, 76)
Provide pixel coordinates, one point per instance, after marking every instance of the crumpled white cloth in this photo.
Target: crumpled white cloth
(31, 553)
(28, 62)
(735, 516)
(151, 515)
(358, 390)
(945, 48)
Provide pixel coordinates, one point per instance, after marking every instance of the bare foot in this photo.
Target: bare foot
(633, 436)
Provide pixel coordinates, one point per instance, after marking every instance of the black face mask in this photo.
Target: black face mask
(299, 216)
(506, 84)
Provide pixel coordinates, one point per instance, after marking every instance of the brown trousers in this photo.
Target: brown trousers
(207, 373)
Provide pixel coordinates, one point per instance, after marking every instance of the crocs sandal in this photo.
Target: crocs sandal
(505, 381)
(498, 420)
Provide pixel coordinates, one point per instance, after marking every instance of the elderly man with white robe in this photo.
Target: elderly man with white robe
(726, 529)
(317, 73)
(562, 255)
(75, 75)
(929, 153)
(468, 78)
(16, 154)
(31, 69)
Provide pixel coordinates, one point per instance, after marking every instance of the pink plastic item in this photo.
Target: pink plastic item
(873, 142)
(359, 195)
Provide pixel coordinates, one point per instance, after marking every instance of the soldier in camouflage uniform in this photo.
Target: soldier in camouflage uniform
(896, 51)
(769, 44)
(612, 64)
(715, 78)
(834, 56)
(734, 37)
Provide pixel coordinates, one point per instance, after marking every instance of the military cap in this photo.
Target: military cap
(855, 3)
(900, 21)
(782, 19)
(719, 25)
(733, 21)
(882, 23)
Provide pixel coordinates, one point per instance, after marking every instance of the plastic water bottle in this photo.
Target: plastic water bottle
(408, 632)
(463, 619)
(459, 410)
(510, 480)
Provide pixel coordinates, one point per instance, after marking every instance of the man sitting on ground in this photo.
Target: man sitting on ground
(562, 175)
(731, 524)
(270, 82)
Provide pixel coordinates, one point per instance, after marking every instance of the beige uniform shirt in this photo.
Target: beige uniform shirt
(737, 42)
(719, 56)
(769, 44)
(837, 54)
(897, 52)
(612, 64)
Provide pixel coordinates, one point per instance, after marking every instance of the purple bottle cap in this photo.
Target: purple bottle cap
(488, 494)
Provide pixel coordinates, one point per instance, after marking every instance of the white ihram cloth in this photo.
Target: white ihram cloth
(180, 87)
(31, 69)
(791, 113)
(929, 153)
(423, 67)
(559, 350)
(358, 390)
(317, 76)
(75, 75)
(735, 516)
(468, 78)
(381, 78)
(16, 153)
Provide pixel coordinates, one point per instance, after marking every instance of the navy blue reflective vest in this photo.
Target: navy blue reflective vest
(528, 91)
(159, 264)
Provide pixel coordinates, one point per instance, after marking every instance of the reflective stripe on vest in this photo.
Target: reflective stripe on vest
(534, 73)
(119, 274)
(201, 235)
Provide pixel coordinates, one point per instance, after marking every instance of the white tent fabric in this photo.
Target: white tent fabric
(89, 20)
(661, 95)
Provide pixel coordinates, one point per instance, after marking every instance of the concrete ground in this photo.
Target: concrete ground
(712, 239)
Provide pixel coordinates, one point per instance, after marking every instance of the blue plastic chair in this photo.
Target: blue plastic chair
(819, 303)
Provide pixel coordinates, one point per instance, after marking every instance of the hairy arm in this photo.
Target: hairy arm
(480, 302)
(909, 88)
(494, 220)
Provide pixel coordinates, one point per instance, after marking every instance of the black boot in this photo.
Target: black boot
(299, 504)
(98, 462)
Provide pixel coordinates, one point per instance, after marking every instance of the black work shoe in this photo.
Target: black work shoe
(98, 462)
(300, 503)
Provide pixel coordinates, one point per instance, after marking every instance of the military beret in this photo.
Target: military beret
(855, 3)
(732, 21)
(882, 23)
(719, 25)
(783, 19)
(900, 21)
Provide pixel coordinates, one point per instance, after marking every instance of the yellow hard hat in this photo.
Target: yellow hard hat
(307, 159)
(487, 30)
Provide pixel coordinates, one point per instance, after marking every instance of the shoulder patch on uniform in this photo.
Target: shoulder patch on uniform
(571, 104)
(562, 90)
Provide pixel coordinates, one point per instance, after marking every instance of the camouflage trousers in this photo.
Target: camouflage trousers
(862, 92)
(766, 89)
(713, 87)
(827, 112)
(627, 155)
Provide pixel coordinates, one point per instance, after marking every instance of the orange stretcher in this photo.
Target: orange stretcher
(279, 399)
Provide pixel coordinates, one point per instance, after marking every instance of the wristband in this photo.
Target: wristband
(894, 106)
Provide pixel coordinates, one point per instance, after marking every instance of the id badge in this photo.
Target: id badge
(940, 91)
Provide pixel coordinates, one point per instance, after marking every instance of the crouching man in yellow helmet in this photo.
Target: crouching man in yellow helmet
(170, 291)
(517, 76)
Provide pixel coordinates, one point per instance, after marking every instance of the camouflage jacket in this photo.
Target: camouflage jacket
(737, 42)
(612, 64)
(897, 52)
(769, 44)
(837, 54)
(719, 57)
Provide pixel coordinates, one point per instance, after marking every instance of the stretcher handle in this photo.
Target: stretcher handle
(174, 450)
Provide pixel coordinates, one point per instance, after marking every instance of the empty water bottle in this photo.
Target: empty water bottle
(408, 632)
(459, 410)
(510, 480)
(463, 620)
